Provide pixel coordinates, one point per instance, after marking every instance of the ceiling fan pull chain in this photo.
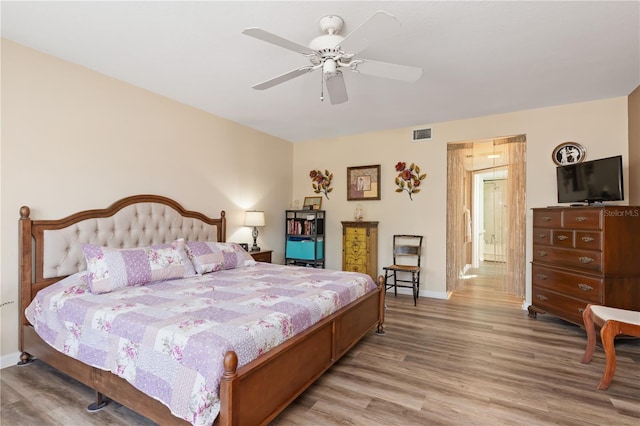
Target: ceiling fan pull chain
(321, 87)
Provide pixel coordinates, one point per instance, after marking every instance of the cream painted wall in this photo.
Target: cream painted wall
(634, 147)
(73, 139)
(600, 126)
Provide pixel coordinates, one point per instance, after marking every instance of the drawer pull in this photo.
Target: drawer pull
(542, 277)
(587, 239)
(546, 218)
(542, 253)
(585, 259)
(581, 218)
(541, 297)
(562, 237)
(542, 236)
(581, 310)
(585, 287)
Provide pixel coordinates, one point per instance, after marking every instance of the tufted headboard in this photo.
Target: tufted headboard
(50, 249)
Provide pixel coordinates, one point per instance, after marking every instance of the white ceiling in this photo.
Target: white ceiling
(479, 58)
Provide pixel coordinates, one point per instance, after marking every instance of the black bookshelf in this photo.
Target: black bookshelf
(305, 239)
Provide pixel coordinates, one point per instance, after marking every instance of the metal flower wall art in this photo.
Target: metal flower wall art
(320, 182)
(409, 178)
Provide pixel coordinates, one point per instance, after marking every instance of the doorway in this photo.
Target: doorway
(485, 212)
(490, 246)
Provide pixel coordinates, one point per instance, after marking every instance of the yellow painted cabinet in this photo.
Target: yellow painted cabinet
(360, 247)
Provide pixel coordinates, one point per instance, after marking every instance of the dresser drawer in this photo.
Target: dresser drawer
(582, 219)
(354, 248)
(589, 260)
(565, 307)
(581, 287)
(562, 237)
(547, 219)
(355, 265)
(359, 233)
(590, 240)
(542, 236)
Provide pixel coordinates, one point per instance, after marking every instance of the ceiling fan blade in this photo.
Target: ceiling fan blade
(284, 77)
(336, 88)
(380, 25)
(387, 70)
(263, 35)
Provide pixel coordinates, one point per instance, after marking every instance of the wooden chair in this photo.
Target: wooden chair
(613, 322)
(407, 252)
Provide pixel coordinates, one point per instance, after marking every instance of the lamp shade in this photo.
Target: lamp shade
(254, 218)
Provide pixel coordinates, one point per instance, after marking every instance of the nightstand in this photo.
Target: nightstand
(262, 255)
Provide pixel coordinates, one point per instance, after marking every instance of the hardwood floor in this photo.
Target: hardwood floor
(476, 358)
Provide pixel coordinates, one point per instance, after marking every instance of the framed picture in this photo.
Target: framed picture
(568, 153)
(363, 183)
(312, 203)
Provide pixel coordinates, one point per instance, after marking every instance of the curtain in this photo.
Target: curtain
(456, 215)
(514, 281)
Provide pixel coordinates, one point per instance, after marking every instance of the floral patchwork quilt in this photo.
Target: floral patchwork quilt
(169, 338)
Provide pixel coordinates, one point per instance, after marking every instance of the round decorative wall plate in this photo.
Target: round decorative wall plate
(568, 153)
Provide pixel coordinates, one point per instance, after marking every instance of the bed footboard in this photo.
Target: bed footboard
(257, 392)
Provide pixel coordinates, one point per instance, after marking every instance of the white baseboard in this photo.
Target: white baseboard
(423, 293)
(9, 360)
(435, 294)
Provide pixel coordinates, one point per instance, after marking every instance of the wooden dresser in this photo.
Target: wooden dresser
(360, 247)
(585, 255)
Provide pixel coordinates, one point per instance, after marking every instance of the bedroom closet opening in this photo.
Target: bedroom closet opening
(486, 214)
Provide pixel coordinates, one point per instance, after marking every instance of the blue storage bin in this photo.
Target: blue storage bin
(303, 249)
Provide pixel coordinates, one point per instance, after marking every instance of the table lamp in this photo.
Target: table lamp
(254, 218)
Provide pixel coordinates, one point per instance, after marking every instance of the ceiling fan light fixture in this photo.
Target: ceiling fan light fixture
(329, 68)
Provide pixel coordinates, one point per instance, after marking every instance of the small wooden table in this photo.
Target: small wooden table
(262, 255)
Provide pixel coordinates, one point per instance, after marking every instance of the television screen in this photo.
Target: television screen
(591, 181)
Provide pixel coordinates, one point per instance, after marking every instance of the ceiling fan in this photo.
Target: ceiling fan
(331, 52)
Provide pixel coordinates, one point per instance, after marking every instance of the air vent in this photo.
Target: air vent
(420, 135)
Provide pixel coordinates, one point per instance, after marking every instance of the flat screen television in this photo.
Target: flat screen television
(594, 181)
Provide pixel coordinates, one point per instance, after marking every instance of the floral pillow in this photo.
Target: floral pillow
(181, 246)
(109, 269)
(210, 256)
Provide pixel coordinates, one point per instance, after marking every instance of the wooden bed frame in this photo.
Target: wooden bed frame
(253, 394)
